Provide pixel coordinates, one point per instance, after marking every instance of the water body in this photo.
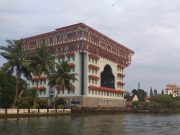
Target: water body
(102, 124)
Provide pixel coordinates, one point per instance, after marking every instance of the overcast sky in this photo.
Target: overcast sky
(151, 28)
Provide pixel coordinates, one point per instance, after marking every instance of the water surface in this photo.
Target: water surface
(102, 124)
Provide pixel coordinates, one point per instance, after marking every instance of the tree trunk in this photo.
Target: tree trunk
(56, 98)
(36, 94)
(17, 87)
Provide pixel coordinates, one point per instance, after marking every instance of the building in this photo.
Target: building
(98, 60)
(173, 89)
(135, 98)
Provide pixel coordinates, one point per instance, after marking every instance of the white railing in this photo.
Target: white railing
(34, 111)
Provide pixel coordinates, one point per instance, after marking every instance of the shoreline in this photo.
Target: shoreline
(81, 111)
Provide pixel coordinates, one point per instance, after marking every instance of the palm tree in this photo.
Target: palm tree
(42, 63)
(61, 79)
(16, 62)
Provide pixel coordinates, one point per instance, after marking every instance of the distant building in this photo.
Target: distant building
(98, 60)
(173, 89)
(155, 92)
(130, 98)
(135, 98)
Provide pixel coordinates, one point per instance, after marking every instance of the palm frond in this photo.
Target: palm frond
(61, 77)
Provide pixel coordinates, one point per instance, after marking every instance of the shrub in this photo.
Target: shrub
(24, 102)
(42, 103)
(135, 104)
(165, 101)
(60, 106)
(146, 105)
(60, 101)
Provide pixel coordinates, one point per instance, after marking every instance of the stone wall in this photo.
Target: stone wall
(33, 111)
(85, 101)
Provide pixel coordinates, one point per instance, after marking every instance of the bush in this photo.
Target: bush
(36, 106)
(24, 102)
(135, 104)
(165, 101)
(60, 106)
(146, 105)
(177, 103)
(42, 103)
(60, 102)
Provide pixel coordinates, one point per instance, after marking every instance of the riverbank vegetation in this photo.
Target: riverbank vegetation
(157, 103)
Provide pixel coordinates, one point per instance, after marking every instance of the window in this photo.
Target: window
(40, 92)
(107, 77)
(73, 91)
(32, 83)
(89, 59)
(59, 60)
(73, 81)
(72, 69)
(92, 81)
(98, 92)
(92, 70)
(69, 58)
(73, 58)
(57, 37)
(92, 60)
(81, 33)
(44, 82)
(89, 80)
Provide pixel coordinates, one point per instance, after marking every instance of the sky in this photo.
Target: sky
(151, 28)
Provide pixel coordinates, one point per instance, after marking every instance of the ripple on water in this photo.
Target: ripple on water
(110, 124)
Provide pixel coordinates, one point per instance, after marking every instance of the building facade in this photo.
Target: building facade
(98, 61)
(173, 89)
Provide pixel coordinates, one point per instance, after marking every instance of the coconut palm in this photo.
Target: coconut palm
(42, 63)
(16, 63)
(61, 79)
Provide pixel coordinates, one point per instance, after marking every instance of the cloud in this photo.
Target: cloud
(150, 28)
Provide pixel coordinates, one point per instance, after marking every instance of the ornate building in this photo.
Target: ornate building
(173, 89)
(98, 60)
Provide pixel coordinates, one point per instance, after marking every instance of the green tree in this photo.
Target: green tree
(7, 88)
(42, 63)
(24, 102)
(141, 94)
(27, 98)
(61, 79)
(16, 62)
(164, 100)
(162, 92)
(60, 103)
(30, 93)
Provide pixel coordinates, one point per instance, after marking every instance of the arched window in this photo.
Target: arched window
(107, 77)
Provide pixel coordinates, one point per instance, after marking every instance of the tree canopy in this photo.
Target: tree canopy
(16, 63)
(62, 79)
(7, 89)
(141, 94)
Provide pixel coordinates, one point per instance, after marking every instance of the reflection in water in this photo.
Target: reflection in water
(102, 125)
(110, 124)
